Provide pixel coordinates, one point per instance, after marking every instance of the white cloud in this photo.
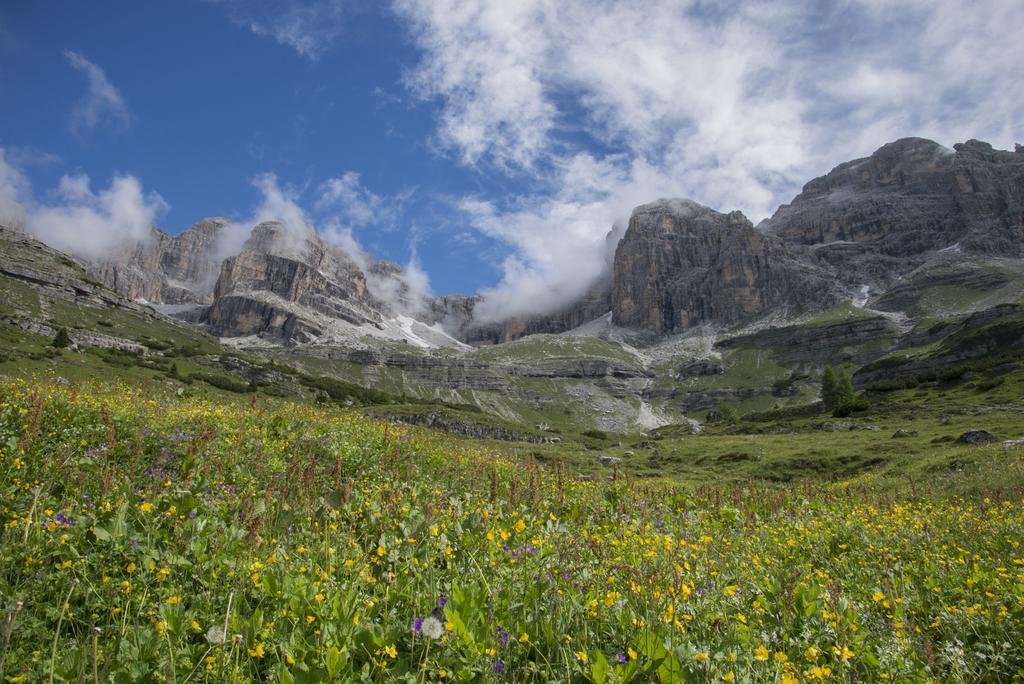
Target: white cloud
(77, 219)
(347, 196)
(735, 105)
(101, 100)
(306, 26)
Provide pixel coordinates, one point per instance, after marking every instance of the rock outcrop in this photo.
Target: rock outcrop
(681, 264)
(852, 341)
(876, 218)
(165, 269)
(289, 286)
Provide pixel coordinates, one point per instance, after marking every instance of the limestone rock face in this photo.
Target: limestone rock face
(288, 285)
(876, 218)
(681, 264)
(166, 270)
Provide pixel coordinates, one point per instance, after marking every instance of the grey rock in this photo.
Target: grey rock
(976, 437)
(700, 368)
(878, 217)
(903, 434)
(681, 264)
(609, 460)
(819, 344)
(287, 285)
(165, 269)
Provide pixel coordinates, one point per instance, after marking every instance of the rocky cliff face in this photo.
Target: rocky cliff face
(288, 285)
(876, 218)
(166, 270)
(681, 264)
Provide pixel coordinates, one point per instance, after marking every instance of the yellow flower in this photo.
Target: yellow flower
(524, 638)
(701, 657)
(146, 507)
(811, 653)
(761, 653)
(381, 551)
(161, 627)
(174, 600)
(196, 627)
(581, 656)
(845, 653)
(789, 679)
(520, 525)
(288, 659)
(631, 653)
(319, 597)
(728, 676)
(391, 651)
(878, 596)
(257, 652)
(781, 657)
(442, 674)
(731, 590)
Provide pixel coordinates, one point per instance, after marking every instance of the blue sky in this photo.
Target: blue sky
(489, 144)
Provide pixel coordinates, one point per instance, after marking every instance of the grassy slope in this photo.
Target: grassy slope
(165, 523)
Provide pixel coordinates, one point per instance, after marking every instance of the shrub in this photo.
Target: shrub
(61, 340)
(223, 382)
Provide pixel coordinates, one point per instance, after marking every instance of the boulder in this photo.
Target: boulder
(976, 437)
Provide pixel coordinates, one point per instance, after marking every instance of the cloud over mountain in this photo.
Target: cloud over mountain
(612, 103)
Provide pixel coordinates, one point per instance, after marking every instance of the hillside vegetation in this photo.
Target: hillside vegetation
(150, 535)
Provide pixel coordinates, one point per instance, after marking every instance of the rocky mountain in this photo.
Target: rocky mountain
(681, 264)
(287, 285)
(906, 267)
(883, 228)
(878, 218)
(165, 269)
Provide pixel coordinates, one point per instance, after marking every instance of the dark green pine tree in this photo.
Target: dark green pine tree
(61, 340)
(829, 388)
(844, 389)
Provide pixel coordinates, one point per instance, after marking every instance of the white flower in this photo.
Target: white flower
(216, 635)
(432, 628)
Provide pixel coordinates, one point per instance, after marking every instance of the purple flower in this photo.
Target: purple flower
(499, 667)
(417, 625)
(621, 657)
(442, 601)
(503, 635)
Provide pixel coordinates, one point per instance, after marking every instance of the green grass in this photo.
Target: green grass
(149, 536)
